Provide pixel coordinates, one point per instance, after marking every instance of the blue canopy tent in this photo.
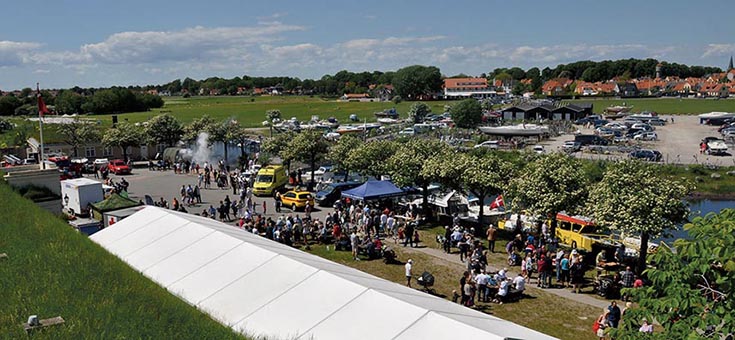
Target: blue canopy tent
(374, 190)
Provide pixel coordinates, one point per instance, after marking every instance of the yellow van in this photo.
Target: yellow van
(269, 179)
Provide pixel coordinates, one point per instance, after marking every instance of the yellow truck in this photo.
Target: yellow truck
(270, 179)
(580, 232)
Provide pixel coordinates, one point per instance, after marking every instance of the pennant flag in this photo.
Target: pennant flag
(42, 109)
(498, 202)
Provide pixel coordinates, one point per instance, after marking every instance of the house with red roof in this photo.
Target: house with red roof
(468, 88)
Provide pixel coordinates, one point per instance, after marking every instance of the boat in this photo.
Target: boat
(357, 128)
(616, 115)
(390, 113)
(516, 130)
(388, 121)
(715, 118)
(618, 109)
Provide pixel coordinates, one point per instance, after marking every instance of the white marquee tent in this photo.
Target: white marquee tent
(264, 288)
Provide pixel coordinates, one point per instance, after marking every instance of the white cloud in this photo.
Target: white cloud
(14, 53)
(719, 50)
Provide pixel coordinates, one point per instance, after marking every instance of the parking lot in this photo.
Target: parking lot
(166, 184)
(678, 142)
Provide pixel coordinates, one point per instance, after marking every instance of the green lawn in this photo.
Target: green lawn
(664, 105)
(541, 311)
(54, 271)
(250, 111)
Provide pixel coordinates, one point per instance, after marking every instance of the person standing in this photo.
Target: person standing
(491, 238)
(613, 315)
(409, 272)
(408, 233)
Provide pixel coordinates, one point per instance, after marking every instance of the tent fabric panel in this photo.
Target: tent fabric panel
(371, 315)
(132, 223)
(498, 327)
(167, 246)
(146, 235)
(220, 272)
(436, 326)
(436, 304)
(372, 190)
(191, 258)
(317, 297)
(250, 292)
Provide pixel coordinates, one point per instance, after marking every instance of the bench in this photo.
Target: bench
(44, 323)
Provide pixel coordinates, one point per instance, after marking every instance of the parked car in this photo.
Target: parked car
(590, 140)
(296, 199)
(539, 149)
(491, 144)
(715, 146)
(646, 135)
(571, 146)
(620, 139)
(642, 126)
(331, 192)
(409, 131)
(100, 162)
(118, 167)
(646, 154)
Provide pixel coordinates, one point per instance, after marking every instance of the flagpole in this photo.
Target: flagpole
(40, 131)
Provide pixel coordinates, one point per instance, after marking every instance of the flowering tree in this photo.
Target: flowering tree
(633, 199)
(550, 184)
(370, 159)
(407, 164)
(339, 153)
(418, 112)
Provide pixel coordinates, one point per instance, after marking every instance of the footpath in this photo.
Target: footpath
(561, 292)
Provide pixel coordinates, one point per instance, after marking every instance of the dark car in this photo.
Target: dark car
(645, 154)
(590, 140)
(330, 194)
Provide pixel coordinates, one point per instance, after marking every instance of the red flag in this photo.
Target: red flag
(42, 109)
(498, 202)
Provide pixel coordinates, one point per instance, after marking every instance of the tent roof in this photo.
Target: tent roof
(373, 190)
(264, 288)
(114, 202)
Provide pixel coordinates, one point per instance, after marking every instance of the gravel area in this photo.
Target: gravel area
(678, 142)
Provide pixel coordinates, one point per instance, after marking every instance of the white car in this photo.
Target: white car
(101, 161)
(648, 135)
(539, 149)
(409, 131)
(642, 126)
(491, 144)
(616, 126)
(571, 146)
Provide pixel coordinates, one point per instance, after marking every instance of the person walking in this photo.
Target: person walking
(409, 272)
(613, 315)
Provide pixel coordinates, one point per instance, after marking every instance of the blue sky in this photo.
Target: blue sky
(105, 43)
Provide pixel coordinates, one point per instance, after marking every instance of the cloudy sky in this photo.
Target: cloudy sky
(104, 43)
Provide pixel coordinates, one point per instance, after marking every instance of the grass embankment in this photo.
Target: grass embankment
(722, 187)
(54, 271)
(664, 105)
(541, 311)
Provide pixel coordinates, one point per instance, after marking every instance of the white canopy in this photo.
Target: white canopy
(263, 288)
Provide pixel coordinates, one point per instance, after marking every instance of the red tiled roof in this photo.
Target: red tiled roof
(465, 83)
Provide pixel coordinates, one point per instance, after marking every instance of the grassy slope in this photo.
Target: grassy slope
(53, 270)
(665, 105)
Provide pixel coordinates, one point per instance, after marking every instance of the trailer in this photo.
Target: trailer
(78, 194)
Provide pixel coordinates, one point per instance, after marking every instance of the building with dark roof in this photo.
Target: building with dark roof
(547, 112)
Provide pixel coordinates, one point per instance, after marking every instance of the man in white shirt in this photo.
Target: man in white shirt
(390, 223)
(502, 291)
(482, 288)
(409, 267)
(520, 283)
(353, 244)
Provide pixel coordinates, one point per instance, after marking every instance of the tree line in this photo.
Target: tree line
(594, 71)
(80, 101)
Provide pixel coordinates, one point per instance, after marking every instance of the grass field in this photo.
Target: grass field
(250, 111)
(542, 311)
(664, 105)
(54, 271)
